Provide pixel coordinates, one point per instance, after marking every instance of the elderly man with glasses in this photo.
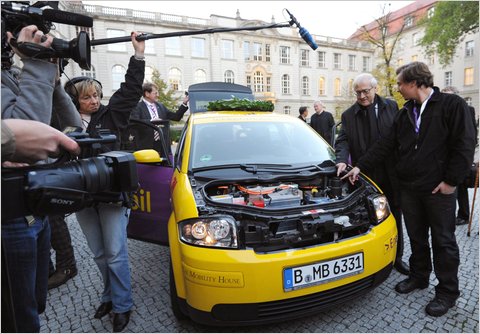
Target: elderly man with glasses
(366, 121)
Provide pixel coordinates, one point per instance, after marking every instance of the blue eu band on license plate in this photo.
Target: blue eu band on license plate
(322, 272)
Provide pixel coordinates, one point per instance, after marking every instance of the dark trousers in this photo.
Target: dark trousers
(26, 250)
(61, 243)
(434, 212)
(462, 198)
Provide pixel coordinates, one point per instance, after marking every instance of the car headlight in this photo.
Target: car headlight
(379, 208)
(220, 231)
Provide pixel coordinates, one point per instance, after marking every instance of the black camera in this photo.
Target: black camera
(19, 14)
(66, 187)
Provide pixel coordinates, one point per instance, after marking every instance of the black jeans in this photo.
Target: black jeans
(434, 212)
(463, 205)
(61, 243)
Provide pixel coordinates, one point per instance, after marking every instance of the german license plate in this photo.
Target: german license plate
(322, 272)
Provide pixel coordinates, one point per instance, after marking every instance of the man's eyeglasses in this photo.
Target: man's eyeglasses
(365, 91)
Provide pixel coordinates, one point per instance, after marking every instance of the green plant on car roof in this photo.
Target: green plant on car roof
(240, 105)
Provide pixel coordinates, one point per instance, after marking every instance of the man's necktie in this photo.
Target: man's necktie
(153, 113)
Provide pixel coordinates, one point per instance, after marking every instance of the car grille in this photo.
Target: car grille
(291, 308)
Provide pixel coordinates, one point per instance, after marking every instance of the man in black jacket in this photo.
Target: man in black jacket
(433, 138)
(322, 121)
(368, 120)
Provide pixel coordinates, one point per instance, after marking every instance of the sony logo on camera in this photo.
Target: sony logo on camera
(61, 201)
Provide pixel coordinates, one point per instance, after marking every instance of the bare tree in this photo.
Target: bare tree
(380, 36)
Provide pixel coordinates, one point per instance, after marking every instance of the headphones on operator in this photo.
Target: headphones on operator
(71, 90)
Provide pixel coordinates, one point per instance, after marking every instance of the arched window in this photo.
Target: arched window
(200, 76)
(321, 86)
(118, 75)
(285, 84)
(338, 87)
(229, 76)
(350, 87)
(88, 73)
(305, 86)
(175, 79)
(258, 82)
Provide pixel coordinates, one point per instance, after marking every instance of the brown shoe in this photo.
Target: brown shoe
(60, 277)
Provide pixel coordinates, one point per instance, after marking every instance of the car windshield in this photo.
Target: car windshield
(199, 100)
(258, 142)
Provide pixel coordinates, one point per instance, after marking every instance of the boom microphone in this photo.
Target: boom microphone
(303, 32)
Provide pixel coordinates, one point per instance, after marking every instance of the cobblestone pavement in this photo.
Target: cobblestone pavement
(71, 307)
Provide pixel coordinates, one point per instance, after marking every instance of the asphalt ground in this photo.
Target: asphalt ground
(70, 307)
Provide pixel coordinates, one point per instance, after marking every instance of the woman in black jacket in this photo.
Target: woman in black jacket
(105, 224)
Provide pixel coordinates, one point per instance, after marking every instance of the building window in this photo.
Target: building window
(172, 46)
(267, 52)
(366, 64)
(468, 99)
(149, 45)
(337, 61)
(246, 51)
(352, 62)
(321, 86)
(337, 87)
(227, 49)
(89, 73)
(148, 74)
(304, 58)
(175, 79)
(400, 44)
(118, 75)
(430, 12)
(257, 51)
(258, 82)
(88, 30)
(399, 62)
(229, 76)
(431, 60)
(408, 21)
(448, 78)
(285, 84)
(321, 59)
(414, 58)
(468, 80)
(416, 38)
(200, 76)
(287, 110)
(305, 86)
(469, 47)
(268, 86)
(284, 55)
(198, 47)
(350, 87)
(120, 47)
(249, 81)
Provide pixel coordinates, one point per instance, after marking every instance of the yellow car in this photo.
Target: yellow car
(262, 230)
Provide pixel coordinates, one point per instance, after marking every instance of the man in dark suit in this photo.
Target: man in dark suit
(303, 113)
(147, 110)
(363, 124)
(150, 109)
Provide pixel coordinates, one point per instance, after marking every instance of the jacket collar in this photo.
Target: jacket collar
(378, 99)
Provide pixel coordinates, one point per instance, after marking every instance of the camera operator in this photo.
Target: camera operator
(105, 224)
(35, 94)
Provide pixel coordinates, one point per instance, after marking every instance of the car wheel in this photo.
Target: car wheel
(176, 309)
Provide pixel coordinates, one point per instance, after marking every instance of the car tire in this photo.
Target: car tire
(176, 309)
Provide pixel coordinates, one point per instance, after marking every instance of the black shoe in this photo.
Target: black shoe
(409, 285)
(402, 267)
(103, 310)
(60, 277)
(120, 321)
(461, 221)
(439, 306)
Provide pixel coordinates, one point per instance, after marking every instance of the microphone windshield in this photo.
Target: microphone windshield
(308, 38)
